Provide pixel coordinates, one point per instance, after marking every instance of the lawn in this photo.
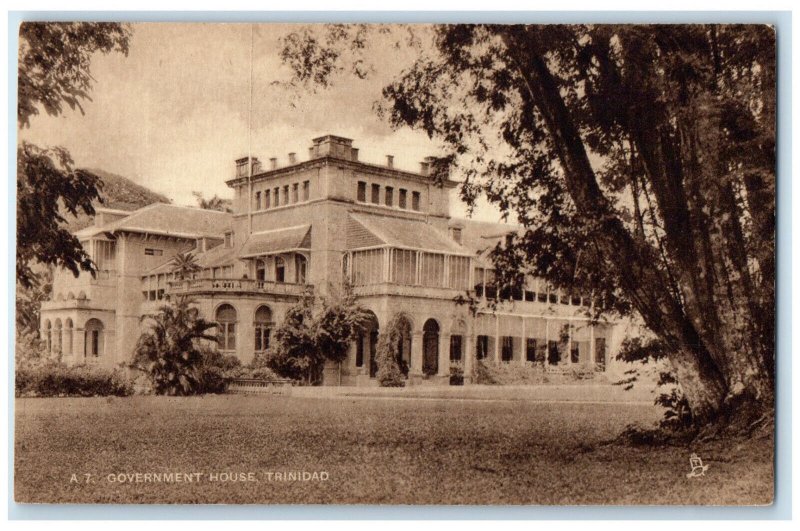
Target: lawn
(373, 451)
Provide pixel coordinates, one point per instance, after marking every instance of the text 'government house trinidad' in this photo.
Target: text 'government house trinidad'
(312, 225)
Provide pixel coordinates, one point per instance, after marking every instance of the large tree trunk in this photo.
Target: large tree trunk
(713, 331)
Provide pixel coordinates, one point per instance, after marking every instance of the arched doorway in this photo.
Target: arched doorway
(93, 339)
(430, 347)
(300, 269)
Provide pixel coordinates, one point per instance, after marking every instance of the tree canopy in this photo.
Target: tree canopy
(640, 160)
(54, 70)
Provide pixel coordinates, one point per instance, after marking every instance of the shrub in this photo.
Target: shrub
(169, 350)
(216, 371)
(56, 379)
(308, 338)
(484, 374)
(456, 375)
(386, 358)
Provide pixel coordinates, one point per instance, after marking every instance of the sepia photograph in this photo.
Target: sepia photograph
(395, 264)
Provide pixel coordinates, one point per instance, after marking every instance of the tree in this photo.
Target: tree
(54, 70)
(307, 338)
(214, 203)
(184, 264)
(639, 159)
(388, 353)
(169, 349)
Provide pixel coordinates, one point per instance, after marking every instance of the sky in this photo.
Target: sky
(173, 114)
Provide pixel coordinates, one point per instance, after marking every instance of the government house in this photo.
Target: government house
(308, 225)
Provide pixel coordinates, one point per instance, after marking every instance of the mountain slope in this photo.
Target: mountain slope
(120, 193)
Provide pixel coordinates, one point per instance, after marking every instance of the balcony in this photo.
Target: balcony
(243, 286)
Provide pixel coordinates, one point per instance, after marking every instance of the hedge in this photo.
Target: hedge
(56, 379)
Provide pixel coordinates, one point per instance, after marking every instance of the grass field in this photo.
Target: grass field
(374, 451)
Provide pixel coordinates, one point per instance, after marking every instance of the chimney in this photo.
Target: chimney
(312, 152)
(335, 146)
(427, 165)
(273, 163)
(390, 161)
(354, 154)
(292, 158)
(256, 165)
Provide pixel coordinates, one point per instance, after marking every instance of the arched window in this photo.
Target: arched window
(93, 343)
(263, 326)
(57, 339)
(68, 337)
(47, 336)
(261, 270)
(226, 327)
(280, 269)
(300, 268)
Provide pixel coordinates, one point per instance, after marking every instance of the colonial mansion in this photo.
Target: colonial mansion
(309, 225)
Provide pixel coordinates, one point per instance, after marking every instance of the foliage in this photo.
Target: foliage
(294, 353)
(309, 336)
(388, 353)
(640, 161)
(54, 63)
(29, 301)
(53, 70)
(47, 182)
(456, 375)
(30, 350)
(169, 351)
(216, 370)
(214, 203)
(56, 379)
(651, 353)
(184, 264)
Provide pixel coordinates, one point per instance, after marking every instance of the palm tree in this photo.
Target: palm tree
(168, 351)
(184, 264)
(214, 203)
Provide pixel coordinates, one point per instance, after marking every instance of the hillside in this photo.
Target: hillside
(120, 193)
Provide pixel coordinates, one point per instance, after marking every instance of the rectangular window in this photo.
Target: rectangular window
(482, 347)
(286, 194)
(276, 193)
(456, 231)
(455, 348)
(306, 190)
(362, 191)
(432, 270)
(600, 351)
(530, 349)
(376, 194)
(389, 196)
(404, 267)
(507, 351)
(553, 297)
(530, 296)
(258, 200)
(575, 300)
(403, 198)
(541, 296)
(266, 199)
(459, 273)
(295, 192)
(415, 198)
(367, 267)
(153, 252)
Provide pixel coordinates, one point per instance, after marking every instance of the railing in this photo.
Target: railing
(260, 387)
(242, 285)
